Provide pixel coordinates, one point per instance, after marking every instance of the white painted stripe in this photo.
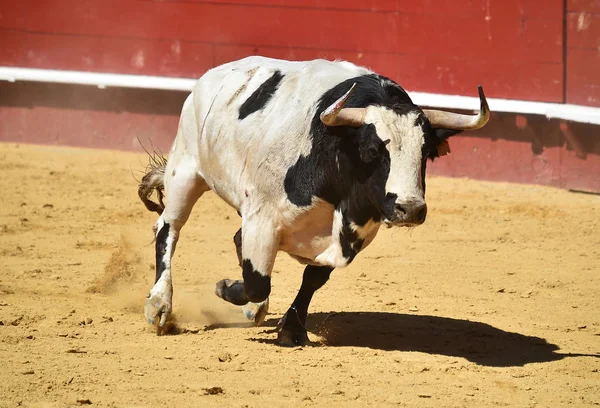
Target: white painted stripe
(101, 80)
(574, 113)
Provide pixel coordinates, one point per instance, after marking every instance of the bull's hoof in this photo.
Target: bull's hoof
(157, 309)
(232, 291)
(291, 332)
(256, 311)
(292, 337)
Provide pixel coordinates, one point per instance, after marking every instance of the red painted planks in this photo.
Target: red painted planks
(548, 9)
(364, 5)
(513, 161)
(506, 79)
(115, 118)
(433, 73)
(173, 58)
(437, 46)
(583, 54)
(585, 64)
(581, 173)
(591, 6)
(82, 128)
(578, 174)
(77, 115)
(102, 54)
(583, 30)
(500, 36)
(498, 160)
(502, 152)
(583, 77)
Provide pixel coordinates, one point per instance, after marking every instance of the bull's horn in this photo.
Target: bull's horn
(337, 115)
(456, 121)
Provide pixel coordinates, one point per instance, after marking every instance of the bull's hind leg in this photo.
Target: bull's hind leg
(258, 249)
(183, 187)
(292, 330)
(252, 311)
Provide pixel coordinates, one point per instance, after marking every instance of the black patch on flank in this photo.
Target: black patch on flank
(263, 94)
(346, 164)
(161, 250)
(257, 286)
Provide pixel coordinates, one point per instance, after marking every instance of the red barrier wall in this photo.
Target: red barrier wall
(510, 148)
(514, 47)
(583, 52)
(542, 50)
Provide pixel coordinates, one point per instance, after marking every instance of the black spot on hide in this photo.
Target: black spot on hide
(370, 146)
(349, 240)
(263, 94)
(161, 249)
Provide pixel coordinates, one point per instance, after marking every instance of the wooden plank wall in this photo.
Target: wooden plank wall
(513, 47)
(541, 50)
(583, 52)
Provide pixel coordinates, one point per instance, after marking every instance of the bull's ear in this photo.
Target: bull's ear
(443, 147)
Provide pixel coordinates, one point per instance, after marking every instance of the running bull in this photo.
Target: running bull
(315, 156)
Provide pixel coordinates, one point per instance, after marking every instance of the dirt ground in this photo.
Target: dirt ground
(494, 301)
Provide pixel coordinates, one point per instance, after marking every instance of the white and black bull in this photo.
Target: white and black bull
(315, 156)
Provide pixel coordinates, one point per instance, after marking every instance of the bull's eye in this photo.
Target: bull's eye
(372, 153)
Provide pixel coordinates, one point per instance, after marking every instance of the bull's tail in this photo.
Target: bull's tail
(152, 181)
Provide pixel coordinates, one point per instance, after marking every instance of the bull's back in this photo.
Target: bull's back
(254, 120)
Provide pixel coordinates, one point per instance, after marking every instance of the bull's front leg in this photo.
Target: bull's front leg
(158, 302)
(253, 311)
(258, 250)
(183, 187)
(292, 327)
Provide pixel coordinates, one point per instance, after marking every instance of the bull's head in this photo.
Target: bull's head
(410, 137)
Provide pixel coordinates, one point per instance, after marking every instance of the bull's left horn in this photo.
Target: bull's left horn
(456, 121)
(337, 115)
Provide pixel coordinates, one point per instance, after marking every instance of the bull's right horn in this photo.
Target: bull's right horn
(449, 120)
(337, 115)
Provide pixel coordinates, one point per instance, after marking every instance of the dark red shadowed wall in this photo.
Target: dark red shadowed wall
(537, 50)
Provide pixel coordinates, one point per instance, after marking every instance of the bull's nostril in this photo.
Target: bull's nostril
(422, 214)
(400, 208)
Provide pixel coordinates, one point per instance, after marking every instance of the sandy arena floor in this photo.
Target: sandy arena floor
(494, 301)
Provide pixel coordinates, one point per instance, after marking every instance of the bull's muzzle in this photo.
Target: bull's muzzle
(410, 212)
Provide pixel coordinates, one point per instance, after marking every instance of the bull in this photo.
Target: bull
(315, 156)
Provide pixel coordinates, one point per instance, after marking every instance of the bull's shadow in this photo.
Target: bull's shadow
(477, 342)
